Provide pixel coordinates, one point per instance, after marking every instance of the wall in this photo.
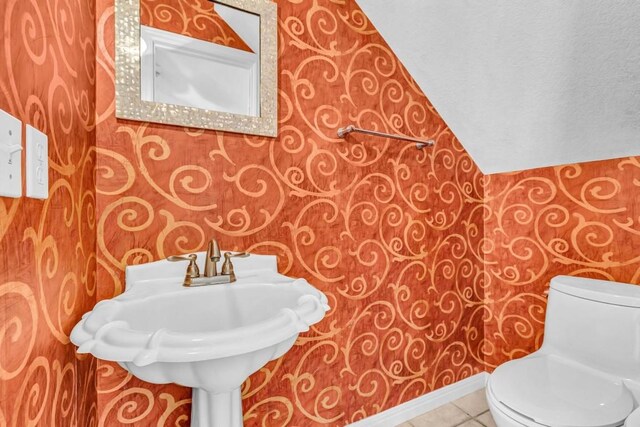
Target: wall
(531, 84)
(391, 234)
(47, 248)
(581, 219)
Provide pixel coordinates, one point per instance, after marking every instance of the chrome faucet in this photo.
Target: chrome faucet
(210, 276)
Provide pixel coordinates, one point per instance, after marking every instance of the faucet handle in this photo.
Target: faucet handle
(192, 270)
(227, 266)
(176, 258)
(236, 254)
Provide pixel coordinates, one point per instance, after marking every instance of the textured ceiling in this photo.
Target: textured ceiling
(524, 84)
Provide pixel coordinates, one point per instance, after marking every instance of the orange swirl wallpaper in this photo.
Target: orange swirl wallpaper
(579, 220)
(434, 272)
(388, 232)
(194, 18)
(47, 248)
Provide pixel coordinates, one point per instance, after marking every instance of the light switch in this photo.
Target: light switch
(37, 164)
(10, 156)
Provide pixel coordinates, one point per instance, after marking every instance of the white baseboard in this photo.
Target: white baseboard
(425, 403)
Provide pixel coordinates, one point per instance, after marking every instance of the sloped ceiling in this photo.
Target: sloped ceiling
(524, 84)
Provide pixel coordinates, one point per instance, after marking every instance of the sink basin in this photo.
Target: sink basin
(210, 338)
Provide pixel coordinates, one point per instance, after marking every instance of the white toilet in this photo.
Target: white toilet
(587, 372)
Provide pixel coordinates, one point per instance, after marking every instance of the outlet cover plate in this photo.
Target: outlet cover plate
(37, 164)
(10, 156)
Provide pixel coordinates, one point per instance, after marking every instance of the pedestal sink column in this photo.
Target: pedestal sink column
(216, 410)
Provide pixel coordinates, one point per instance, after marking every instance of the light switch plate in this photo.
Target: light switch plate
(10, 156)
(37, 164)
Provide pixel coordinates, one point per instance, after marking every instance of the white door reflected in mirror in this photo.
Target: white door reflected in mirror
(218, 68)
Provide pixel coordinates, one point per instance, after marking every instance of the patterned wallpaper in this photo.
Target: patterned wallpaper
(193, 18)
(47, 248)
(388, 232)
(431, 269)
(581, 220)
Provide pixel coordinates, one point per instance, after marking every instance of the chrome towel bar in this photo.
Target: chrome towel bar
(420, 143)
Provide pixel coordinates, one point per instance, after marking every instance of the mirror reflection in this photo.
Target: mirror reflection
(200, 53)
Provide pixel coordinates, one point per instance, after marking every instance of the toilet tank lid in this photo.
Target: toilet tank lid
(604, 291)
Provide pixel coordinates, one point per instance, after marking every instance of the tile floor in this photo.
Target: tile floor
(468, 411)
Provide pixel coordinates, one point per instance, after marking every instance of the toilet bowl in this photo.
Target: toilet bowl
(633, 420)
(544, 390)
(587, 372)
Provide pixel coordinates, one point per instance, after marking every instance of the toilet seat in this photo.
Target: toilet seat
(553, 391)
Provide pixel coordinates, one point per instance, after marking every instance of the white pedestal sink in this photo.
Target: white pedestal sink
(210, 338)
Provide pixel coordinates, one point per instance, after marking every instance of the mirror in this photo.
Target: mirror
(198, 63)
(194, 56)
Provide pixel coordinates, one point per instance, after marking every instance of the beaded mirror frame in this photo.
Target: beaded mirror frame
(129, 104)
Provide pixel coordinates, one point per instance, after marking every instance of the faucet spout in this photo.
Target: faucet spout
(212, 258)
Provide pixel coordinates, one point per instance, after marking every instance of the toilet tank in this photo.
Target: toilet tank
(595, 322)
